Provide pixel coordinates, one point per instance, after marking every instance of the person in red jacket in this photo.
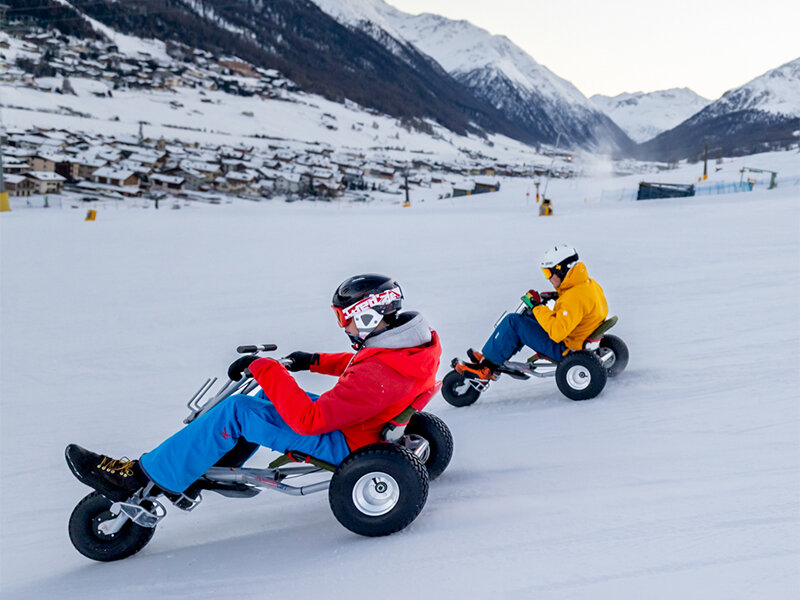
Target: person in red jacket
(396, 360)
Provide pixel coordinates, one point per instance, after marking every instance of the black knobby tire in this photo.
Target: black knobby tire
(92, 543)
(457, 390)
(611, 343)
(439, 438)
(581, 375)
(378, 489)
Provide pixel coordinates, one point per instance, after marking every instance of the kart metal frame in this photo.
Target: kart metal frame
(538, 366)
(242, 482)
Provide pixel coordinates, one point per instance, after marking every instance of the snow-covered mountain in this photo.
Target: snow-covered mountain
(495, 69)
(763, 113)
(644, 115)
(302, 42)
(776, 92)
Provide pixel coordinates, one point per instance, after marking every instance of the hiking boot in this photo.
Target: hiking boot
(475, 356)
(116, 479)
(479, 368)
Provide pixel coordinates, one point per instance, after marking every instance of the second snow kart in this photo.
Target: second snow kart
(580, 375)
(376, 490)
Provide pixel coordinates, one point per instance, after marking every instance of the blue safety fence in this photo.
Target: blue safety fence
(720, 187)
(707, 188)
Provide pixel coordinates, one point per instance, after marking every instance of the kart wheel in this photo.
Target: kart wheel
(433, 429)
(581, 375)
(619, 360)
(86, 534)
(378, 489)
(457, 390)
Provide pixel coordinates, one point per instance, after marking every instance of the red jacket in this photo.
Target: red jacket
(375, 384)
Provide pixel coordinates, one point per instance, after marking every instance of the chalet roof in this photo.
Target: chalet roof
(146, 157)
(91, 162)
(167, 178)
(290, 177)
(112, 173)
(244, 176)
(197, 165)
(14, 151)
(269, 173)
(44, 176)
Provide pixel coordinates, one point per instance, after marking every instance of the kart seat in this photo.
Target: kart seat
(593, 341)
(392, 431)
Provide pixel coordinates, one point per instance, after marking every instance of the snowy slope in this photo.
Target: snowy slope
(644, 115)
(679, 481)
(127, 44)
(495, 69)
(297, 121)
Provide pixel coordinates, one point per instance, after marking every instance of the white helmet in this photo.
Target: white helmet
(558, 260)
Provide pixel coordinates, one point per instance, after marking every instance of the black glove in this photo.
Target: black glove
(547, 296)
(239, 366)
(301, 361)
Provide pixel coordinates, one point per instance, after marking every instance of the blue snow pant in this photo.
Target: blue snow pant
(515, 331)
(183, 458)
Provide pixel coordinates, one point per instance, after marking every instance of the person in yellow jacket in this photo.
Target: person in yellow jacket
(579, 309)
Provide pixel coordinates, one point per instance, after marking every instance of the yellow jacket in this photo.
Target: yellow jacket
(580, 309)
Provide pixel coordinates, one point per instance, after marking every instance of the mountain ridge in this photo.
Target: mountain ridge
(643, 115)
(306, 45)
(762, 114)
(496, 70)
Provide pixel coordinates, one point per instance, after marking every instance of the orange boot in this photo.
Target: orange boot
(479, 368)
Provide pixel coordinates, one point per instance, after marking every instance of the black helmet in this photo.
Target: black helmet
(366, 299)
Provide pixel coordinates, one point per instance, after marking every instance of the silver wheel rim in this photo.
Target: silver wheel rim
(463, 388)
(578, 377)
(376, 493)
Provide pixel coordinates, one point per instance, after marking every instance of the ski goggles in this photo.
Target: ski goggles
(343, 320)
(548, 273)
(345, 315)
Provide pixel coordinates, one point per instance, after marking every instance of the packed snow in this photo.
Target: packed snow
(679, 481)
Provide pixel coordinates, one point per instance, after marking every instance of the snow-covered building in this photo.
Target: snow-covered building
(117, 177)
(46, 182)
(87, 166)
(169, 183)
(41, 162)
(19, 185)
(287, 183)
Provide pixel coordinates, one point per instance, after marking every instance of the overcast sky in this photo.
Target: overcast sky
(614, 46)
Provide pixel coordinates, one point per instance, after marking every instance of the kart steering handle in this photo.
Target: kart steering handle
(254, 349)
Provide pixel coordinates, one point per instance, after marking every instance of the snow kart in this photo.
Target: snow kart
(376, 490)
(581, 375)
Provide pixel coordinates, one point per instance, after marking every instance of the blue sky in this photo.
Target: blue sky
(619, 46)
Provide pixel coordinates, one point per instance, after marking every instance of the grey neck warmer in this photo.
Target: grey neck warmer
(412, 331)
